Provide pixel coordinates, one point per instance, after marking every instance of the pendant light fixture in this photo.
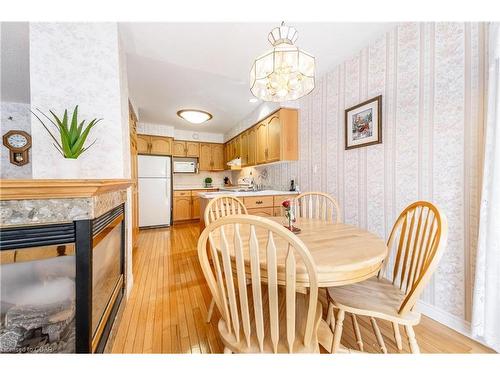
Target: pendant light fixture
(284, 73)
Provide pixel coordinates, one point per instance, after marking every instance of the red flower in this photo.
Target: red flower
(286, 203)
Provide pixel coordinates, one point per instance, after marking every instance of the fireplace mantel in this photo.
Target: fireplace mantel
(34, 202)
(46, 189)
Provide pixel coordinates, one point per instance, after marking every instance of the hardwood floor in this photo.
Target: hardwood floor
(166, 310)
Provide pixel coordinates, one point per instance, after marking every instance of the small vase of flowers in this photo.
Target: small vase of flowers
(289, 210)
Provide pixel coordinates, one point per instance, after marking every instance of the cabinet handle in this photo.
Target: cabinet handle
(259, 202)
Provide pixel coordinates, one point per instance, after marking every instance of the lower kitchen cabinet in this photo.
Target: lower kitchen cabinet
(187, 204)
(266, 205)
(195, 214)
(264, 211)
(182, 207)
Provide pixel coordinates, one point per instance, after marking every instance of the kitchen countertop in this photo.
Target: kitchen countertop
(210, 195)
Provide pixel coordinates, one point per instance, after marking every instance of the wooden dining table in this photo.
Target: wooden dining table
(343, 254)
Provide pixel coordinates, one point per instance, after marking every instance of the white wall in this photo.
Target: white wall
(155, 129)
(78, 63)
(431, 77)
(188, 135)
(184, 135)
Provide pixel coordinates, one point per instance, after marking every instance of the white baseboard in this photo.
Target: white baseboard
(443, 317)
(454, 322)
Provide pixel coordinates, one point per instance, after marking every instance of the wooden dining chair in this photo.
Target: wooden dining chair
(317, 205)
(416, 244)
(267, 316)
(221, 206)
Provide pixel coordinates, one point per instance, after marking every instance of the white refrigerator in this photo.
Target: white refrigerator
(155, 190)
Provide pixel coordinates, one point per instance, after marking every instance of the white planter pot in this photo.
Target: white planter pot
(68, 169)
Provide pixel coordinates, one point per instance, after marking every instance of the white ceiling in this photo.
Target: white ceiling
(206, 65)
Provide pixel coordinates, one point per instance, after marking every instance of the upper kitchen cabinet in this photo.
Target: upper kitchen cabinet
(205, 162)
(277, 137)
(211, 157)
(218, 157)
(237, 147)
(252, 146)
(161, 146)
(261, 143)
(186, 149)
(154, 145)
(143, 143)
(244, 148)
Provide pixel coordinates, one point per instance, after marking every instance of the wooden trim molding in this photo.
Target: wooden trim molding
(51, 188)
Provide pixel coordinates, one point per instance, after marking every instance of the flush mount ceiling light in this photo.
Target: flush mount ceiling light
(284, 73)
(194, 116)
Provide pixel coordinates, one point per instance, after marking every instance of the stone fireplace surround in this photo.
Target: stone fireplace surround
(70, 211)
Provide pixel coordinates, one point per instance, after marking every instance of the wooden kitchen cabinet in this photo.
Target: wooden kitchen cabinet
(229, 151)
(205, 162)
(161, 146)
(218, 157)
(266, 205)
(211, 157)
(182, 206)
(277, 137)
(195, 199)
(252, 147)
(261, 134)
(154, 145)
(143, 143)
(192, 149)
(179, 148)
(258, 201)
(187, 204)
(186, 149)
(273, 139)
(244, 148)
(264, 211)
(237, 147)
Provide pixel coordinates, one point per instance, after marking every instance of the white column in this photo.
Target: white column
(80, 64)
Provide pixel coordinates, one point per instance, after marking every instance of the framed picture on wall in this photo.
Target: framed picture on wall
(363, 124)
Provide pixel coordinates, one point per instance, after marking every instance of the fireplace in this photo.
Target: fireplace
(61, 284)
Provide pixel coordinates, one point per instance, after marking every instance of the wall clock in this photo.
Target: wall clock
(18, 142)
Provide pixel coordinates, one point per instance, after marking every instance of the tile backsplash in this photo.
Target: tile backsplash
(196, 180)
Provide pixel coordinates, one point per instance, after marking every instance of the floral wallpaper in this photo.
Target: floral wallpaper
(431, 78)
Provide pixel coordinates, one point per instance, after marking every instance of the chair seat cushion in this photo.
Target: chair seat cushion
(372, 297)
(241, 346)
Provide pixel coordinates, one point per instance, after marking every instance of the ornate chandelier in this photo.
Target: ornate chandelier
(284, 73)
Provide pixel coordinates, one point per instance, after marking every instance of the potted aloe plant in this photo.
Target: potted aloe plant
(72, 135)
